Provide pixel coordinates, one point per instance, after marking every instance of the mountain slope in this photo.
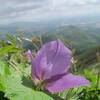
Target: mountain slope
(75, 37)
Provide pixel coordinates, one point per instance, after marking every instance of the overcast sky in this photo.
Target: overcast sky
(36, 10)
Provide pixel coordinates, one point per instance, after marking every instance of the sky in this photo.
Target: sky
(37, 10)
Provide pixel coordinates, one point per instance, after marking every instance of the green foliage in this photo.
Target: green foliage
(8, 49)
(16, 82)
(2, 96)
(11, 83)
(93, 91)
(11, 38)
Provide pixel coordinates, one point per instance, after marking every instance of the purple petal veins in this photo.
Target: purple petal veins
(51, 65)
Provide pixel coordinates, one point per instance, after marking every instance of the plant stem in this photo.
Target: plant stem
(97, 80)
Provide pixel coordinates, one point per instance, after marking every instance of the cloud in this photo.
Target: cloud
(10, 6)
(16, 10)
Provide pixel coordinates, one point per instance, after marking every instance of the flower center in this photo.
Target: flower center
(40, 84)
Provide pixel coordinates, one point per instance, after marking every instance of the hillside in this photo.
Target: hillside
(76, 37)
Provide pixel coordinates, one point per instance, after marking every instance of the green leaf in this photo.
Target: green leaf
(15, 87)
(4, 68)
(4, 72)
(7, 49)
(91, 76)
(15, 90)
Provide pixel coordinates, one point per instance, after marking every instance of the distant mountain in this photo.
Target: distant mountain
(78, 37)
(28, 28)
(80, 32)
(41, 27)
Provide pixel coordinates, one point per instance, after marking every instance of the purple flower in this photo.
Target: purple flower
(51, 67)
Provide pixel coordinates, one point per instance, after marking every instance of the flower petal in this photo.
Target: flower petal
(35, 69)
(39, 65)
(57, 58)
(66, 82)
(52, 59)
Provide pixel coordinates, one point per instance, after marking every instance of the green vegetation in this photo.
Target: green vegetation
(15, 70)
